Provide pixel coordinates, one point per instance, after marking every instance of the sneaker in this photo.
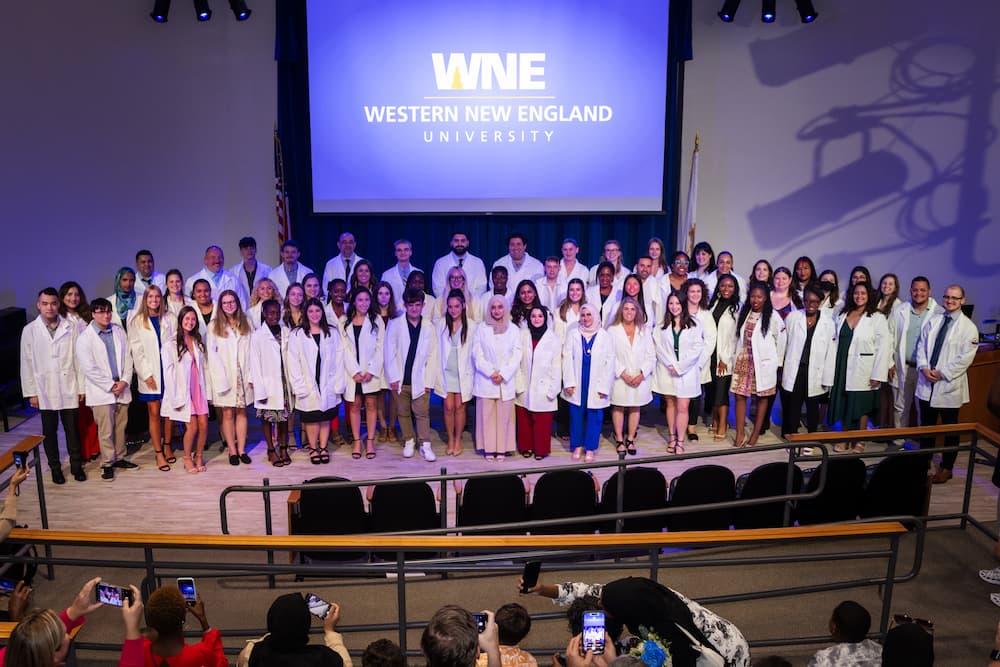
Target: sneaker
(995, 598)
(126, 465)
(108, 473)
(991, 576)
(427, 452)
(408, 448)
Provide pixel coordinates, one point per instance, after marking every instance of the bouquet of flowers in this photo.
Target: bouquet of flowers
(652, 650)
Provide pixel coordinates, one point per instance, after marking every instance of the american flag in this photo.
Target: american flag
(281, 197)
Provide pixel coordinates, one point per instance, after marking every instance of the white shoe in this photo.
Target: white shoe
(427, 452)
(991, 576)
(995, 598)
(809, 451)
(408, 448)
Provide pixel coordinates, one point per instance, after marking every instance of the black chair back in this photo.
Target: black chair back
(841, 499)
(762, 482)
(488, 500)
(561, 494)
(330, 512)
(401, 507)
(898, 485)
(702, 485)
(645, 489)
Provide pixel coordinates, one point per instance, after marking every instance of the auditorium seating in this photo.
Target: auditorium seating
(560, 494)
(840, 499)
(398, 508)
(485, 500)
(698, 486)
(645, 489)
(339, 511)
(898, 486)
(764, 481)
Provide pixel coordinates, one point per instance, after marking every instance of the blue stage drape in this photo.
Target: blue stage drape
(317, 233)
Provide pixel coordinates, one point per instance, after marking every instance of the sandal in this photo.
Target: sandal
(577, 453)
(168, 458)
(314, 456)
(630, 447)
(588, 457)
(620, 448)
(356, 454)
(166, 466)
(718, 437)
(527, 453)
(692, 437)
(383, 435)
(842, 447)
(324, 455)
(671, 449)
(370, 449)
(678, 447)
(189, 465)
(200, 460)
(285, 458)
(859, 448)
(272, 456)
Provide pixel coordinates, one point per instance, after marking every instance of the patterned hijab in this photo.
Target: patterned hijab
(124, 301)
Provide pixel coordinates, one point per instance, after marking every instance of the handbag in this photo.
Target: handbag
(707, 656)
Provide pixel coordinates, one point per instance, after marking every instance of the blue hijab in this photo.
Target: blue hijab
(125, 301)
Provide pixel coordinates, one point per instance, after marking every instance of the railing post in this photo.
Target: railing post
(401, 597)
(789, 479)
(268, 527)
(620, 500)
(890, 576)
(42, 508)
(968, 479)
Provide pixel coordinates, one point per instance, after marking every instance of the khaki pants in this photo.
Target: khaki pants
(495, 432)
(111, 422)
(408, 408)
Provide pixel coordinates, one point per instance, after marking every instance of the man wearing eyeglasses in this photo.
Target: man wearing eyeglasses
(947, 345)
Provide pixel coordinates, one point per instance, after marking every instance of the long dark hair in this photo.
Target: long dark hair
(703, 304)
(704, 245)
(733, 303)
(448, 320)
(354, 284)
(639, 297)
(685, 319)
(870, 308)
(766, 310)
(834, 294)
(323, 324)
(862, 269)
(195, 333)
(796, 284)
(390, 309)
(83, 310)
(372, 308)
(520, 311)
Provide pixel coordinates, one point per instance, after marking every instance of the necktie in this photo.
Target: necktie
(347, 269)
(939, 341)
(147, 281)
(461, 260)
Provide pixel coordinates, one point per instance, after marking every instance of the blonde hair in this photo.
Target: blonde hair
(35, 640)
(144, 313)
(640, 317)
(220, 323)
(255, 298)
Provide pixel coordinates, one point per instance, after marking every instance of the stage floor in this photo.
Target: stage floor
(149, 500)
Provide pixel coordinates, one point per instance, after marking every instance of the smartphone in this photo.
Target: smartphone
(318, 607)
(593, 632)
(20, 459)
(481, 620)
(186, 586)
(112, 595)
(7, 586)
(530, 575)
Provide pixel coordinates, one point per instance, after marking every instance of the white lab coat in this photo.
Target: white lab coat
(49, 370)
(372, 343)
(425, 362)
(899, 328)
(301, 366)
(496, 352)
(174, 308)
(335, 268)
(484, 302)
(795, 340)
(539, 377)
(959, 350)
(617, 281)
(391, 276)
(602, 368)
(868, 357)
(768, 351)
(92, 357)
(466, 369)
(709, 333)
(280, 280)
(687, 382)
(145, 349)
(129, 314)
(560, 326)
(263, 271)
(610, 307)
(266, 355)
(633, 357)
(530, 269)
(256, 314)
(580, 270)
(176, 403)
(157, 279)
(725, 340)
(227, 282)
(712, 279)
(550, 297)
(440, 309)
(224, 353)
(475, 274)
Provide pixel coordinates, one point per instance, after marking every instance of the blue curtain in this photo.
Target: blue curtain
(317, 233)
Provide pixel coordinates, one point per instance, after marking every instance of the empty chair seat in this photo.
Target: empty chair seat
(767, 480)
(401, 507)
(562, 494)
(645, 489)
(898, 486)
(339, 511)
(702, 485)
(486, 500)
(840, 499)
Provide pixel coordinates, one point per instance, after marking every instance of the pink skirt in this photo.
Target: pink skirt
(199, 405)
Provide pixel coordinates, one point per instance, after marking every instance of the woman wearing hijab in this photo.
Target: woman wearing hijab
(124, 306)
(287, 638)
(496, 353)
(588, 376)
(537, 384)
(637, 601)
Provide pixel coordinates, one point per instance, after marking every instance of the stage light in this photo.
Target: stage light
(806, 10)
(202, 10)
(728, 11)
(240, 10)
(767, 10)
(160, 10)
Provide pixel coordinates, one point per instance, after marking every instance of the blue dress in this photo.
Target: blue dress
(149, 398)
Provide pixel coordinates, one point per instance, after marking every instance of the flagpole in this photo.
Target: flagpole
(686, 234)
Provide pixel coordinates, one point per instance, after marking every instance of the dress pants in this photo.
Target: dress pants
(534, 431)
(408, 408)
(495, 426)
(50, 429)
(903, 396)
(111, 422)
(929, 417)
(791, 406)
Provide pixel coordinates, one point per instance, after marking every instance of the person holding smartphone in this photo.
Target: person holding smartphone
(165, 613)
(8, 517)
(287, 638)
(44, 634)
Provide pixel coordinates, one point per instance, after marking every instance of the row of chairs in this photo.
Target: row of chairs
(896, 486)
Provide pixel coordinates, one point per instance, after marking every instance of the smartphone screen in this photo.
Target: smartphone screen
(20, 460)
(593, 632)
(186, 586)
(109, 594)
(318, 607)
(530, 574)
(481, 620)
(7, 586)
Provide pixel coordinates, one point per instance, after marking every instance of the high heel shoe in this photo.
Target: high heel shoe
(671, 447)
(356, 454)
(200, 461)
(189, 465)
(370, 448)
(284, 457)
(324, 455)
(168, 453)
(630, 447)
(620, 448)
(166, 466)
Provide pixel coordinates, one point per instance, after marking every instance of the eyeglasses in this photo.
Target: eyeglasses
(901, 619)
(98, 311)
(951, 298)
(681, 262)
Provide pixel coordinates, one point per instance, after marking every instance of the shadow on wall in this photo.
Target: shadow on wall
(939, 84)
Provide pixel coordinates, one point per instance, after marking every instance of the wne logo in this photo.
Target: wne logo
(489, 71)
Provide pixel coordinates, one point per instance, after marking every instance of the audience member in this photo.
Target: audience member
(383, 653)
(286, 643)
(8, 516)
(849, 627)
(41, 638)
(513, 625)
(166, 611)
(908, 645)
(451, 639)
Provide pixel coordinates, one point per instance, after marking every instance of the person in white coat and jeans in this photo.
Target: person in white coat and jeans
(680, 346)
(537, 385)
(946, 348)
(809, 334)
(106, 365)
(635, 361)
(588, 375)
(411, 367)
(905, 329)
(457, 373)
(51, 381)
(316, 375)
(496, 353)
